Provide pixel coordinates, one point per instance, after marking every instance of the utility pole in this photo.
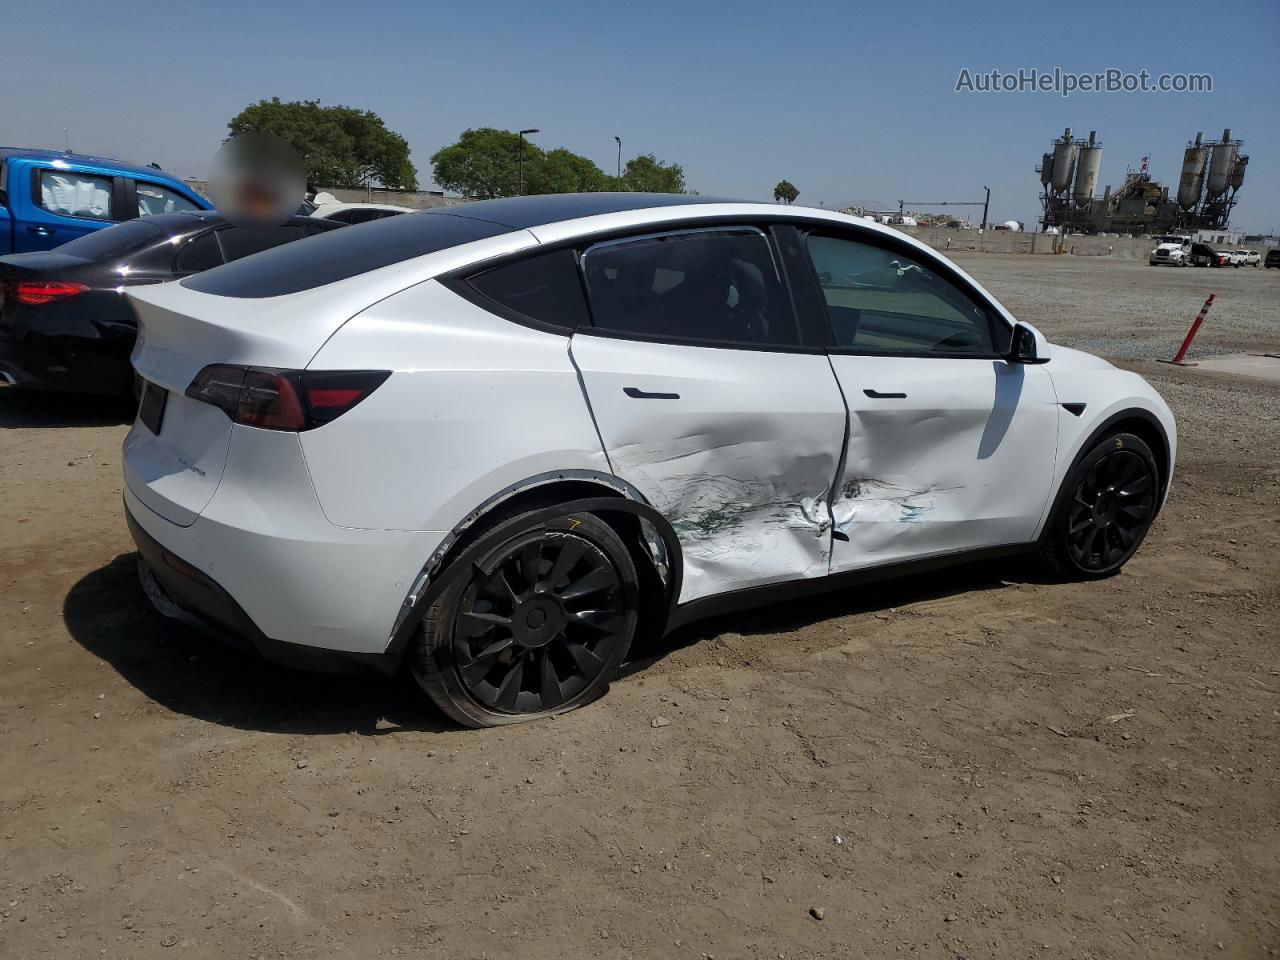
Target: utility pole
(619, 139)
(520, 161)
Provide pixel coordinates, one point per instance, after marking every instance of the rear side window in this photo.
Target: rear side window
(342, 253)
(545, 288)
(198, 254)
(111, 241)
(76, 194)
(701, 286)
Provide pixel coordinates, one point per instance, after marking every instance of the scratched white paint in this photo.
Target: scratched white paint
(740, 464)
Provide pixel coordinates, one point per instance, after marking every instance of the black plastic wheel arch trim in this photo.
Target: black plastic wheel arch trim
(1164, 471)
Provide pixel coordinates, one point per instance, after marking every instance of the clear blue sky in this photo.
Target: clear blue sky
(851, 102)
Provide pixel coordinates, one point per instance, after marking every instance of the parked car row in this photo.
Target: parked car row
(77, 231)
(1182, 251)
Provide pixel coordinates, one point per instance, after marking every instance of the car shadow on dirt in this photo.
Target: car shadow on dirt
(23, 408)
(789, 616)
(179, 668)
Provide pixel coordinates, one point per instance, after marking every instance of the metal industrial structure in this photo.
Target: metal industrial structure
(1212, 173)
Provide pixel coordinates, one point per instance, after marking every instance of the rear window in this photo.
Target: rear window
(340, 254)
(111, 241)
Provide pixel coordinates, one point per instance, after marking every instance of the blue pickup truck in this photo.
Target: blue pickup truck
(48, 198)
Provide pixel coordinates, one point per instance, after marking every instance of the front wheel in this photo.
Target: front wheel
(535, 626)
(1108, 502)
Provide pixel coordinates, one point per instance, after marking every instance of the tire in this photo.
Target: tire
(1104, 509)
(534, 626)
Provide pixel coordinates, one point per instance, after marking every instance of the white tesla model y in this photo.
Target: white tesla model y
(498, 441)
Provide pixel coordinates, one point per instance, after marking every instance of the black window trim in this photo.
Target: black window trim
(37, 194)
(995, 322)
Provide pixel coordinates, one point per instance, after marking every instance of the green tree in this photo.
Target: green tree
(340, 146)
(482, 163)
(647, 174)
(487, 162)
(563, 171)
(785, 191)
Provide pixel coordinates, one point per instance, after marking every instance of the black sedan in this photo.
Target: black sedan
(64, 322)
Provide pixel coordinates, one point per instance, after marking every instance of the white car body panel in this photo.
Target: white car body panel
(327, 210)
(1106, 391)
(321, 535)
(477, 403)
(930, 472)
(740, 464)
(263, 538)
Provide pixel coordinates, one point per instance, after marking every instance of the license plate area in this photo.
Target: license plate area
(151, 407)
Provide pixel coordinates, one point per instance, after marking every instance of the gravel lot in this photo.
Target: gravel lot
(977, 764)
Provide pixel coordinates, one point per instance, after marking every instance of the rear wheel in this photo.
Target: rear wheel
(536, 626)
(1109, 502)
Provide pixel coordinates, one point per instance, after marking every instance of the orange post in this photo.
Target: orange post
(1191, 334)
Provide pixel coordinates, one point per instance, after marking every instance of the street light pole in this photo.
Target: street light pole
(619, 139)
(520, 161)
(986, 203)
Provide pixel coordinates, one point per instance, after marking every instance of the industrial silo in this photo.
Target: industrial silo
(1046, 169)
(1064, 162)
(1222, 164)
(1191, 183)
(1237, 175)
(1088, 161)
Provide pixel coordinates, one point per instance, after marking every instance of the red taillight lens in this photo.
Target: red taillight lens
(269, 399)
(283, 399)
(35, 293)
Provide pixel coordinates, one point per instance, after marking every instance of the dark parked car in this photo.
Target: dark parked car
(1203, 255)
(64, 321)
(1273, 258)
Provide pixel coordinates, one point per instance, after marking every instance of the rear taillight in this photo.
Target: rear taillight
(35, 293)
(283, 399)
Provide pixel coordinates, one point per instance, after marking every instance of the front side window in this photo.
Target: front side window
(75, 194)
(882, 301)
(153, 198)
(702, 286)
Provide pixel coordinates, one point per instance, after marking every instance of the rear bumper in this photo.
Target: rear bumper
(179, 590)
(42, 363)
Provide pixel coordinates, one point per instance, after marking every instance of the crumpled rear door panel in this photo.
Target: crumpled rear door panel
(736, 448)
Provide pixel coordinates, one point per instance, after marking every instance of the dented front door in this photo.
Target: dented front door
(945, 454)
(737, 448)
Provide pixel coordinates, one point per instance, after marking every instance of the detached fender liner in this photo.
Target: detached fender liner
(200, 602)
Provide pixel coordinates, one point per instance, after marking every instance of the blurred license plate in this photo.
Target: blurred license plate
(151, 409)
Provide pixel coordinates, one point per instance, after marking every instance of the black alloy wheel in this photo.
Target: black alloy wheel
(536, 626)
(1113, 495)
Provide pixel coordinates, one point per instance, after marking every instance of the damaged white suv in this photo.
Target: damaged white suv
(499, 441)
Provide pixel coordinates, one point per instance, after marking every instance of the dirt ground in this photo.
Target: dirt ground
(974, 764)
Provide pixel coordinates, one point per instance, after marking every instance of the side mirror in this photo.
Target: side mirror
(1022, 347)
